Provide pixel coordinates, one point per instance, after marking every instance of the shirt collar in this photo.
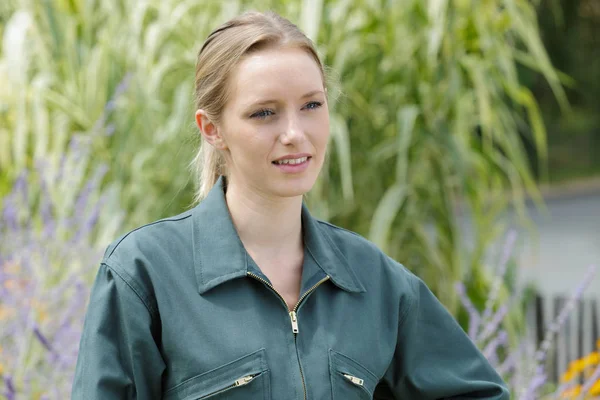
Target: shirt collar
(219, 254)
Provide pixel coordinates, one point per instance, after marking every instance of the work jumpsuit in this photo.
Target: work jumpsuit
(180, 311)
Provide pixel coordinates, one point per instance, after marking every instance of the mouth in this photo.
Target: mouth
(292, 161)
(292, 165)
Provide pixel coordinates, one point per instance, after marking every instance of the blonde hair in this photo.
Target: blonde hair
(221, 53)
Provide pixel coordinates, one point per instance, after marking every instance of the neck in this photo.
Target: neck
(266, 225)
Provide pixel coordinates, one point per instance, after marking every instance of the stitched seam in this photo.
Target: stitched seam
(357, 366)
(197, 256)
(402, 317)
(141, 296)
(223, 277)
(224, 369)
(337, 227)
(316, 260)
(333, 246)
(174, 219)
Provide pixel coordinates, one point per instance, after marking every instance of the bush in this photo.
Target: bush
(46, 263)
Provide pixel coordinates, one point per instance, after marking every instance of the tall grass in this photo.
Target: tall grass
(432, 114)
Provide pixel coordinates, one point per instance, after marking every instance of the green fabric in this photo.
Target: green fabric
(174, 314)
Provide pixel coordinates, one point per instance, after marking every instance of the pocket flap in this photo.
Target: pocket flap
(347, 368)
(220, 378)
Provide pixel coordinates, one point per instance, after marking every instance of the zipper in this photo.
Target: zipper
(244, 380)
(293, 316)
(354, 380)
(360, 383)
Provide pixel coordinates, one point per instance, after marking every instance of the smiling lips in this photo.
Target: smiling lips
(293, 163)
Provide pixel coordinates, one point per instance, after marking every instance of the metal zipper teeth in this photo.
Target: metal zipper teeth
(293, 317)
(309, 292)
(269, 285)
(300, 366)
(295, 309)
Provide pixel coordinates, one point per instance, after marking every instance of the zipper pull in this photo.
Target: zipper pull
(294, 319)
(355, 380)
(243, 381)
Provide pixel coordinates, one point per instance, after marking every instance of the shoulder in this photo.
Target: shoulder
(367, 260)
(161, 233)
(142, 253)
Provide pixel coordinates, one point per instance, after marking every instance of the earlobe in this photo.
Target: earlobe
(209, 130)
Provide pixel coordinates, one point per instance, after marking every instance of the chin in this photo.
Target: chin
(294, 187)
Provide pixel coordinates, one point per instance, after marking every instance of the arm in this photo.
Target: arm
(434, 358)
(118, 356)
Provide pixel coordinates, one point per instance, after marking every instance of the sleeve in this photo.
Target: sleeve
(118, 356)
(435, 359)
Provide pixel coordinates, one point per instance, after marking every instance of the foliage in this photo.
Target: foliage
(570, 30)
(46, 263)
(429, 88)
(431, 126)
(432, 108)
(523, 364)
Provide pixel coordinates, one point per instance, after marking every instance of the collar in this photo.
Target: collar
(220, 256)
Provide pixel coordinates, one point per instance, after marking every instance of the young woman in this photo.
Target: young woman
(247, 296)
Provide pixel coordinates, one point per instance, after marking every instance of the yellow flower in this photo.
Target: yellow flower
(1, 369)
(576, 367)
(591, 359)
(595, 389)
(568, 375)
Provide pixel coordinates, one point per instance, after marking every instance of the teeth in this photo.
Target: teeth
(292, 161)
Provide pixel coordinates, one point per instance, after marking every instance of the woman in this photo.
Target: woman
(247, 296)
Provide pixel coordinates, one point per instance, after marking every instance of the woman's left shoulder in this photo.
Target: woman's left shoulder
(365, 257)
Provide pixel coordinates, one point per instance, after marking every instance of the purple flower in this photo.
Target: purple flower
(506, 254)
(41, 301)
(10, 388)
(474, 318)
(493, 325)
(523, 367)
(43, 340)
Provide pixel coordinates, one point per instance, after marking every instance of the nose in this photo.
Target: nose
(293, 132)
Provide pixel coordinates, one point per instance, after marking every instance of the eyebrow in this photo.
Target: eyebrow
(312, 93)
(271, 101)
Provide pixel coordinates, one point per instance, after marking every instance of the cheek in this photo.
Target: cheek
(321, 132)
(253, 144)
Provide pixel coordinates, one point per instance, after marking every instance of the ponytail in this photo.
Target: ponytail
(208, 165)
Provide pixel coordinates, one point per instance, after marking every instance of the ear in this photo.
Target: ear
(209, 130)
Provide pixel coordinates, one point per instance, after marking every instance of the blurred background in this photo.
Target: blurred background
(465, 143)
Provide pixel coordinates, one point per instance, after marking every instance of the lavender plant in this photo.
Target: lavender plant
(48, 227)
(522, 366)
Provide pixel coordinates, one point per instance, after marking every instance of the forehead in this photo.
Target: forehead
(275, 72)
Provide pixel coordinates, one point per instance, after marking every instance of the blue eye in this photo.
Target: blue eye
(262, 114)
(313, 105)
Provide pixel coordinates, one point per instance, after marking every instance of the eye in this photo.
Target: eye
(313, 105)
(262, 114)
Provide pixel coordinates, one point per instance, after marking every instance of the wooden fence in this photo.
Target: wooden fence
(577, 338)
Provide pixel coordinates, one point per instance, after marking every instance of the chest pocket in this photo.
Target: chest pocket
(349, 379)
(245, 378)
